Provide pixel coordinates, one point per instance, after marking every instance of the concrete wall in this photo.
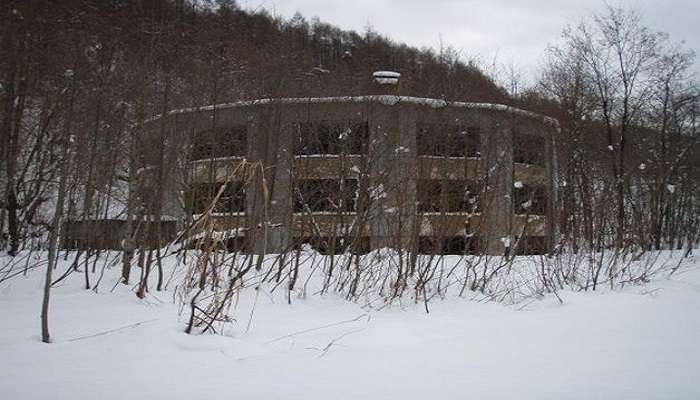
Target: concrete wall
(392, 163)
(108, 233)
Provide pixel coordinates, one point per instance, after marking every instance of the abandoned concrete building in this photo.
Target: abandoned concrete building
(365, 172)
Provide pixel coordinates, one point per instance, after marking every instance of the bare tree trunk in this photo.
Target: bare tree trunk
(9, 141)
(56, 225)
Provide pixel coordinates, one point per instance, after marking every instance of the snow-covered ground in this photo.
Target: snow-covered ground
(642, 342)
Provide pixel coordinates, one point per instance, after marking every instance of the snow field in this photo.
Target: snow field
(636, 343)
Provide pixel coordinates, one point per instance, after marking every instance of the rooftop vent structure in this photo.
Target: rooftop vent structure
(386, 77)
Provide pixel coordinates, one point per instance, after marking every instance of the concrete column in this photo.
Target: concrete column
(268, 198)
(403, 177)
(254, 195)
(383, 132)
(173, 204)
(281, 204)
(497, 152)
(393, 171)
(550, 135)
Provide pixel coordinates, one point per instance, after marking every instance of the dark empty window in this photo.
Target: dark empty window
(447, 140)
(220, 142)
(457, 245)
(429, 195)
(529, 199)
(453, 195)
(148, 152)
(461, 195)
(333, 246)
(231, 200)
(528, 149)
(330, 195)
(328, 137)
(532, 245)
(451, 245)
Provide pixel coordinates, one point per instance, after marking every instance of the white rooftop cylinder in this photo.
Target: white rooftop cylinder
(386, 77)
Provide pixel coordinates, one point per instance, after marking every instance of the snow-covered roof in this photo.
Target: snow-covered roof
(390, 100)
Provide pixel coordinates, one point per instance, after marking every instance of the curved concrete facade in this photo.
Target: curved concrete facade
(406, 149)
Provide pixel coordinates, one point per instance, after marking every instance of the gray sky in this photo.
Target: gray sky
(514, 32)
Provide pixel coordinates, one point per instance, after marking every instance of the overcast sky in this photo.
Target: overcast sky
(511, 31)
